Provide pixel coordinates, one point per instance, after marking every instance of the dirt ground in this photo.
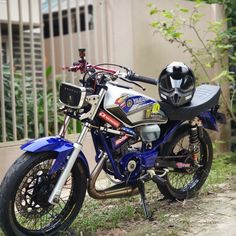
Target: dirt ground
(210, 214)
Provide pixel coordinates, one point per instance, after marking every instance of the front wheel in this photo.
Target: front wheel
(24, 193)
(185, 184)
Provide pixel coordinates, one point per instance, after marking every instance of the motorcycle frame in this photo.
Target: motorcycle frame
(149, 157)
(66, 159)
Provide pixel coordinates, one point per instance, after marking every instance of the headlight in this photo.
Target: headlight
(71, 95)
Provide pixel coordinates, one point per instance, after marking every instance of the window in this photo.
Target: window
(74, 21)
(83, 20)
(65, 22)
(46, 26)
(55, 24)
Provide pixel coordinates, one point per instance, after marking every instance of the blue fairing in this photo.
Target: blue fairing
(51, 143)
(55, 144)
(208, 120)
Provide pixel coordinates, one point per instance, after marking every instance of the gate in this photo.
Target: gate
(37, 39)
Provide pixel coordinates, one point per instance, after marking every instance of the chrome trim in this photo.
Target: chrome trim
(64, 126)
(82, 98)
(55, 195)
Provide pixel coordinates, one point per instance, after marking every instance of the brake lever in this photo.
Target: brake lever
(132, 82)
(140, 86)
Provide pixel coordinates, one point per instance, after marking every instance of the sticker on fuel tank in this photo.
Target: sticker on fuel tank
(132, 103)
(155, 107)
(153, 111)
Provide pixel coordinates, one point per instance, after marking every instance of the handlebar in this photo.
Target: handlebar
(129, 76)
(140, 78)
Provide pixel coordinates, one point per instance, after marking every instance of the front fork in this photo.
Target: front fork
(55, 195)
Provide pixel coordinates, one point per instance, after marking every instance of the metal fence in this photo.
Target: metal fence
(34, 38)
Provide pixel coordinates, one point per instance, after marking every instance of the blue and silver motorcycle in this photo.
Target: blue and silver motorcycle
(136, 138)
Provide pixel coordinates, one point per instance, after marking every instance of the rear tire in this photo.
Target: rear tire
(24, 193)
(174, 190)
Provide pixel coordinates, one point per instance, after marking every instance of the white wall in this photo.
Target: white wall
(136, 44)
(127, 38)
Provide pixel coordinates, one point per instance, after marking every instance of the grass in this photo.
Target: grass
(102, 215)
(105, 214)
(108, 214)
(223, 170)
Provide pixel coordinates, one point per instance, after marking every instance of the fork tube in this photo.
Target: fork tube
(64, 126)
(55, 195)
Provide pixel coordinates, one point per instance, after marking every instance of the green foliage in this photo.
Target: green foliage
(223, 169)
(229, 6)
(48, 71)
(30, 107)
(171, 25)
(8, 104)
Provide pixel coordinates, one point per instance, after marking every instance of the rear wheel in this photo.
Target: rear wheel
(185, 184)
(24, 193)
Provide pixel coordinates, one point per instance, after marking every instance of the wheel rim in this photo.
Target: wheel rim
(182, 181)
(32, 211)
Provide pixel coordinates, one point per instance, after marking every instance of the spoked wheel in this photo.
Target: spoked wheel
(24, 206)
(185, 183)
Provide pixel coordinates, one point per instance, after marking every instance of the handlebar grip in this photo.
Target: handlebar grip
(140, 78)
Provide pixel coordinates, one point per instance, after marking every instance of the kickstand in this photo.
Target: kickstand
(147, 213)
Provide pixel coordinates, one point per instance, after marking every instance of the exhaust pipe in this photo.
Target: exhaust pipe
(116, 191)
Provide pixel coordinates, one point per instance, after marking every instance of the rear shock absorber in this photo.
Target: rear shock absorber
(194, 140)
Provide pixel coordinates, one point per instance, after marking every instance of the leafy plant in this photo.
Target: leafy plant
(229, 6)
(30, 107)
(171, 25)
(8, 104)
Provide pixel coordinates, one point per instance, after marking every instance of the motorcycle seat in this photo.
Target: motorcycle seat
(205, 97)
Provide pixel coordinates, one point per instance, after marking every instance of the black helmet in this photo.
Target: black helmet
(177, 84)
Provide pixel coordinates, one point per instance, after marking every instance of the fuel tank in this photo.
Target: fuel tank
(131, 107)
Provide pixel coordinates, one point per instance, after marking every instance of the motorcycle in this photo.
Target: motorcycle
(136, 138)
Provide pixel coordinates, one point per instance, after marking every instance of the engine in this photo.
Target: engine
(127, 150)
(126, 147)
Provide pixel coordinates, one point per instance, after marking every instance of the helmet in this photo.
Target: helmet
(176, 84)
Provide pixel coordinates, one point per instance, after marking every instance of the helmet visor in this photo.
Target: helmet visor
(166, 84)
(187, 83)
(184, 84)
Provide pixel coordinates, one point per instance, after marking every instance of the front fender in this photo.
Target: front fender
(51, 143)
(62, 147)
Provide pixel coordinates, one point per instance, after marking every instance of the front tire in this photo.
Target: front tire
(24, 193)
(183, 185)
